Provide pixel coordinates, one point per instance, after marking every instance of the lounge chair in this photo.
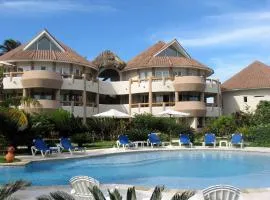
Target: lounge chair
(123, 141)
(184, 140)
(153, 139)
(80, 186)
(65, 144)
(237, 139)
(221, 192)
(40, 145)
(209, 139)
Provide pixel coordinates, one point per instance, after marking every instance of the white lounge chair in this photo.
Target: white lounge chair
(221, 192)
(80, 186)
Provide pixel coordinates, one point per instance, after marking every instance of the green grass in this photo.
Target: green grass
(100, 145)
(3, 160)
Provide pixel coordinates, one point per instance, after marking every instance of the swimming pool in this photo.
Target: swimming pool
(174, 169)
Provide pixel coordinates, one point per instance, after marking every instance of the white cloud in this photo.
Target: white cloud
(39, 6)
(230, 37)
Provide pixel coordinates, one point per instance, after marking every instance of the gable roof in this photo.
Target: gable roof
(66, 55)
(254, 76)
(149, 58)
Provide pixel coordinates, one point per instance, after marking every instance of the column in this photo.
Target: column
(202, 97)
(129, 97)
(24, 92)
(150, 96)
(84, 99)
(194, 123)
(176, 98)
(57, 95)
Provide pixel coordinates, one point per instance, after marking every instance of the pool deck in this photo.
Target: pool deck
(142, 192)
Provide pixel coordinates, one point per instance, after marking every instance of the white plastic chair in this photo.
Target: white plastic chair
(80, 186)
(221, 192)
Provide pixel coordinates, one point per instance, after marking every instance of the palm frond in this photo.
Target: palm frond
(131, 194)
(157, 194)
(96, 192)
(8, 189)
(115, 195)
(183, 196)
(59, 195)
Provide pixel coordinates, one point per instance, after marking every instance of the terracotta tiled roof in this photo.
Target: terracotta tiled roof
(68, 56)
(147, 59)
(256, 75)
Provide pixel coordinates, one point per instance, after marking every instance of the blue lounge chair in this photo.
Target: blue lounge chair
(184, 140)
(237, 139)
(123, 141)
(153, 139)
(65, 144)
(209, 139)
(40, 145)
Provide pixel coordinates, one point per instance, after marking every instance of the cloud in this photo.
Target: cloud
(48, 6)
(231, 37)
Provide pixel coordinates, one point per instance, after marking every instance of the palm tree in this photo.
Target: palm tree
(115, 195)
(8, 45)
(7, 190)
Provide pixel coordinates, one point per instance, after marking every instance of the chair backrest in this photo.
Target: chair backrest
(184, 138)
(153, 138)
(81, 185)
(209, 138)
(40, 144)
(236, 138)
(65, 143)
(221, 192)
(123, 139)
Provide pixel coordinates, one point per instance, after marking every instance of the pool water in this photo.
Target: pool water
(174, 169)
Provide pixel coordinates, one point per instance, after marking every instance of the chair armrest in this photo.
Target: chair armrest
(72, 191)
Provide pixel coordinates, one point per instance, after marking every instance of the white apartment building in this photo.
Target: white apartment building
(162, 77)
(246, 89)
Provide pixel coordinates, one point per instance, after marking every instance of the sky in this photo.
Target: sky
(226, 35)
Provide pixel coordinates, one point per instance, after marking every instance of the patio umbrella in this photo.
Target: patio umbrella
(113, 114)
(2, 63)
(173, 113)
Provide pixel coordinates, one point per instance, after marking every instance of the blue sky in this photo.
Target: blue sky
(225, 35)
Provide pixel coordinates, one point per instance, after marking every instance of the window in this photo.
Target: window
(245, 99)
(43, 68)
(160, 74)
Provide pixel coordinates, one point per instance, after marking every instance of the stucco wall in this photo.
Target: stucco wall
(234, 100)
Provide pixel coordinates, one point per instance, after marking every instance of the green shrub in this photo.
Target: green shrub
(258, 135)
(222, 126)
(136, 134)
(81, 138)
(262, 113)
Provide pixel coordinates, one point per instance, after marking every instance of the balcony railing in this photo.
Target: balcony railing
(156, 104)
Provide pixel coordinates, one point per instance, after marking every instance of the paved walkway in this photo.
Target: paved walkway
(142, 193)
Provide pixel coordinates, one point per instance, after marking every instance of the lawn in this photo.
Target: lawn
(2, 159)
(100, 145)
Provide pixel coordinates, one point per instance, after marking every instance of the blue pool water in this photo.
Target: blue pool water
(174, 169)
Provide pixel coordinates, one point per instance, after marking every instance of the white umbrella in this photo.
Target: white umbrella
(173, 113)
(2, 63)
(113, 114)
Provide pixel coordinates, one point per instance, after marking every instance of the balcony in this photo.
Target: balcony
(41, 79)
(45, 105)
(194, 108)
(189, 83)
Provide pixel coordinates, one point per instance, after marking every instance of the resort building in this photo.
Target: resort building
(246, 89)
(162, 77)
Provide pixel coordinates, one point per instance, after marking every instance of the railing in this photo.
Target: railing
(78, 103)
(153, 79)
(156, 104)
(64, 76)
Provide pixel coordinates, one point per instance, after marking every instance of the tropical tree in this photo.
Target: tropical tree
(8, 45)
(115, 195)
(262, 113)
(7, 190)
(13, 122)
